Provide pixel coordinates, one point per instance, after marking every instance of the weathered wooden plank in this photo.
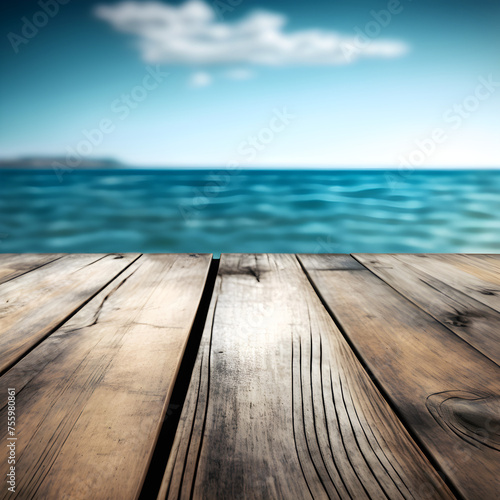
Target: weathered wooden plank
(446, 392)
(474, 322)
(92, 396)
(32, 305)
(485, 266)
(482, 286)
(278, 405)
(491, 259)
(13, 265)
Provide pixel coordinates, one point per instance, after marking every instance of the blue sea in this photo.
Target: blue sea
(220, 210)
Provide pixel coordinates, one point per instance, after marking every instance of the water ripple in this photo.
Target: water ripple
(250, 211)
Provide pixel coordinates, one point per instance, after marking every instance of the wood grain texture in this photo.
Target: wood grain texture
(482, 285)
(486, 262)
(32, 305)
(481, 265)
(91, 397)
(13, 265)
(473, 321)
(445, 391)
(278, 405)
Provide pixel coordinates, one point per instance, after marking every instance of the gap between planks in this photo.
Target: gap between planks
(35, 304)
(435, 380)
(243, 433)
(90, 420)
(170, 422)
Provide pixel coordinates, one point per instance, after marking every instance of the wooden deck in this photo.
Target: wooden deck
(260, 376)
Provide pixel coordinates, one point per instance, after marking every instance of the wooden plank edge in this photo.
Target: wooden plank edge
(65, 319)
(155, 471)
(430, 458)
(13, 275)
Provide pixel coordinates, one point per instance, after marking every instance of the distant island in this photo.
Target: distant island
(46, 162)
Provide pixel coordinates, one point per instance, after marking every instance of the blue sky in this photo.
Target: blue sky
(421, 87)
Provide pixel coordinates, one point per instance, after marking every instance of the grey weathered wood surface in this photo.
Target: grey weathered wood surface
(445, 391)
(483, 286)
(92, 396)
(15, 264)
(279, 406)
(34, 304)
(473, 321)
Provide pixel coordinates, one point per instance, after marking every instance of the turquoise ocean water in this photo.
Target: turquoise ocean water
(218, 210)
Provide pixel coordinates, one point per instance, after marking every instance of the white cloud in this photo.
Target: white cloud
(190, 34)
(200, 79)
